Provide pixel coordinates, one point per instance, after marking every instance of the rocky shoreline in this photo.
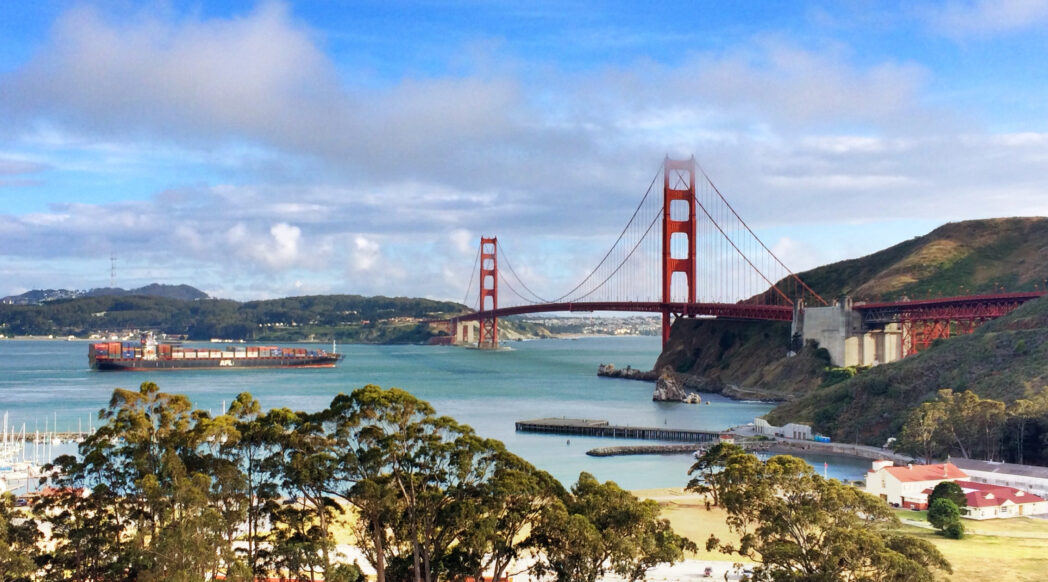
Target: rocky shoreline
(676, 387)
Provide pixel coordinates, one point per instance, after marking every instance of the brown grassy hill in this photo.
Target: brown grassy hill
(958, 258)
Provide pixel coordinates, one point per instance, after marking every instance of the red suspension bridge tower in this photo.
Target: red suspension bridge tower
(488, 335)
(678, 199)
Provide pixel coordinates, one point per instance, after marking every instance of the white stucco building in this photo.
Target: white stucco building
(986, 501)
(908, 486)
(791, 431)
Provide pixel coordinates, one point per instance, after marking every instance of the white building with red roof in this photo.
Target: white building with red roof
(987, 501)
(906, 486)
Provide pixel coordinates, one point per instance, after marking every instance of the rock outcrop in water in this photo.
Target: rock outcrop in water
(629, 373)
(670, 389)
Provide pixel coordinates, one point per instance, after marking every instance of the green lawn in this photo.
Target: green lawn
(995, 549)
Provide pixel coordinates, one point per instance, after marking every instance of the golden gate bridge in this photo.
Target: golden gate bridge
(686, 252)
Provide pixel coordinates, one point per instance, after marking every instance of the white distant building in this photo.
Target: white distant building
(986, 501)
(790, 431)
(908, 486)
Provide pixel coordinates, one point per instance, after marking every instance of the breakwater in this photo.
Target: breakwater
(794, 447)
(641, 450)
(601, 428)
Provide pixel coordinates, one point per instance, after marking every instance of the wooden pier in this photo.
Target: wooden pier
(601, 428)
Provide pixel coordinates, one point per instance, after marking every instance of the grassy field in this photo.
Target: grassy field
(1015, 550)
(689, 518)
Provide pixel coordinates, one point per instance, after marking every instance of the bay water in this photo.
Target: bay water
(44, 384)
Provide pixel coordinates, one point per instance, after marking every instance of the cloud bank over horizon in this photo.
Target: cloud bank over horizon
(288, 149)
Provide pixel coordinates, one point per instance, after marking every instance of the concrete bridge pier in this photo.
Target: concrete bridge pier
(840, 330)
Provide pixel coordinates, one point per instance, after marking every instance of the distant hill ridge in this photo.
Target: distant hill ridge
(38, 296)
(958, 258)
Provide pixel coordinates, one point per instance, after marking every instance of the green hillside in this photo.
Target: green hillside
(1003, 360)
(345, 318)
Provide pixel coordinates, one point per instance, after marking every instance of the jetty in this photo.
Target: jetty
(601, 428)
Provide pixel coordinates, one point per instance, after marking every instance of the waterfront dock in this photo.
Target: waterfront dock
(601, 428)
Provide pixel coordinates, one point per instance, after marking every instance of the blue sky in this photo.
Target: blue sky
(269, 149)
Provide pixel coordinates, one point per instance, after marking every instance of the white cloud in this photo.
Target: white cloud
(366, 253)
(984, 18)
(463, 241)
(283, 166)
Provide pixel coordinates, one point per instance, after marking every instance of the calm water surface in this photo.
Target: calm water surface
(42, 382)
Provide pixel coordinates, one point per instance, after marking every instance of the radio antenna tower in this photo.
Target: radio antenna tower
(112, 271)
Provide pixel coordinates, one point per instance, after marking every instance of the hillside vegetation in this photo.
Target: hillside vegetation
(346, 318)
(1003, 360)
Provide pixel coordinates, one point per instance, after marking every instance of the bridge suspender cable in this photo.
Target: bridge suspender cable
(469, 286)
(613, 246)
(628, 255)
(505, 259)
(755, 237)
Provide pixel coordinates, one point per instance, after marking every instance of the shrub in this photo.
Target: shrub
(954, 531)
(943, 514)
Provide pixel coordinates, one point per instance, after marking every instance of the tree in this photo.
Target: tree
(945, 516)
(603, 528)
(248, 440)
(922, 435)
(800, 526)
(501, 512)
(948, 490)
(306, 463)
(1020, 413)
(412, 474)
(18, 538)
(138, 498)
(708, 467)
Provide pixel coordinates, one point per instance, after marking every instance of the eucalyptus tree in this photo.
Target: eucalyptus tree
(137, 498)
(249, 440)
(602, 528)
(306, 462)
(19, 535)
(416, 479)
(707, 467)
(800, 526)
(507, 507)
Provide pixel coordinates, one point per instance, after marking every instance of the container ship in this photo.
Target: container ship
(148, 355)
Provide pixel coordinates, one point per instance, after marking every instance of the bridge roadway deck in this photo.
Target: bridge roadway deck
(601, 428)
(725, 310)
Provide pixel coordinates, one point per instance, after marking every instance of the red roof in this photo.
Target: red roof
(986, 495)
(937, 472)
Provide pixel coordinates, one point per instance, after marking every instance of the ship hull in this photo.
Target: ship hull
(142, 365)
(150, 356)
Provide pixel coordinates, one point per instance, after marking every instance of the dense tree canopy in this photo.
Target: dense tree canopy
(801, 527)
(165, 492)
(965, 425)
